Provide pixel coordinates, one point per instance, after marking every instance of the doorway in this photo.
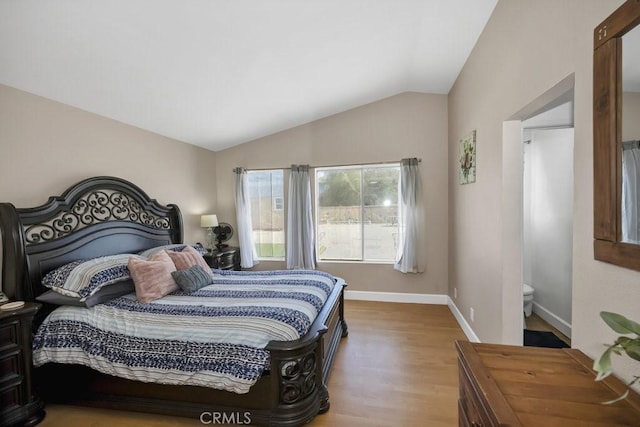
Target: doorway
(547, 222)
(539, 115)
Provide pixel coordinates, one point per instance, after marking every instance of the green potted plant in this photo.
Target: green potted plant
(624, 343)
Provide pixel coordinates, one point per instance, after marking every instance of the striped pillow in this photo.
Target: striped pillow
(83, 278)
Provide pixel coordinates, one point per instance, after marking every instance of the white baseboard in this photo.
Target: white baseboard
(396, 297)
(552, 319)
(466, 328)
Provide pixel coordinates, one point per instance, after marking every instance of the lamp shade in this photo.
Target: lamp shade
(208, 221)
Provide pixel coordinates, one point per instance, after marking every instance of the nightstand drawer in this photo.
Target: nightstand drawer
(11, 396)
(225, 261)
(9, 335)
(18, 402)
(10, 367)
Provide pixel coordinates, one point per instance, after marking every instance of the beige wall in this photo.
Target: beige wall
(46, 146)
(630, 114)
(527, 48)
(406, 125)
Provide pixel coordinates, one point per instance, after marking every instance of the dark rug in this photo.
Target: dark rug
(543, 339)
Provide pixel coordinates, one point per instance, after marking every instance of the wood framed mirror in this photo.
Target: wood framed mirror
(616, 84)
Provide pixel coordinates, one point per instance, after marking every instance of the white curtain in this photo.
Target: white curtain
(410, 224)
(630, 191)
(248, 253)
(300, 236)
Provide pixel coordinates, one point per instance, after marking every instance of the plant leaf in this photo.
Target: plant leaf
(619, 323)
(602, 365)
(632, 348)
(622, 341)
(622, 396)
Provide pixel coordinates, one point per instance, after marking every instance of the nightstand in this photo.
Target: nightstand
(224, 259)
(19, 404)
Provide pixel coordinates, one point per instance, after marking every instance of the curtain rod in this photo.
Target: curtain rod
(329, 166)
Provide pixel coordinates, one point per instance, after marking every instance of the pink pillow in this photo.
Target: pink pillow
(188, 258)
(152, 278)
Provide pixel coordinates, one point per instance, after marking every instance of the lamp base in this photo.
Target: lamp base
(210, 239)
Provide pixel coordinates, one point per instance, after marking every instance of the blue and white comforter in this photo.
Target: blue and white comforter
(214, 337)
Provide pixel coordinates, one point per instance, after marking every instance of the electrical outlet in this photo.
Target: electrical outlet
(472, 315)
(455, 292)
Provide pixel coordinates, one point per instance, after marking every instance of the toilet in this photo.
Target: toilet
(527, 299)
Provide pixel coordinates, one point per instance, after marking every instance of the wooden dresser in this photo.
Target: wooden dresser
(504, 385)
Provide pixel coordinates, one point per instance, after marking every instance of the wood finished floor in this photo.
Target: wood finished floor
(397, 367)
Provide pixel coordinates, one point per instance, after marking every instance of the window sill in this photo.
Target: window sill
(339, 261)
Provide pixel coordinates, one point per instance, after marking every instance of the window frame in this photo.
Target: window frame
(316, 208)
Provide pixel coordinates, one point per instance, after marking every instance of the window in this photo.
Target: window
(266, 193)
(357, 213)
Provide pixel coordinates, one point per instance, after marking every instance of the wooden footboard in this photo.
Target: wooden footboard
(291, 394)
(302, 370)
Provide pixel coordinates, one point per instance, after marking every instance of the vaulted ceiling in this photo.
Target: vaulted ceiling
(216, 73)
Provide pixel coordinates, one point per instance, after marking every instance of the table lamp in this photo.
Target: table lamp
(209, 222)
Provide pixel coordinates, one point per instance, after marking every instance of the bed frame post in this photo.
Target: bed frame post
(343, 322)
(13, 255)
(298, 385)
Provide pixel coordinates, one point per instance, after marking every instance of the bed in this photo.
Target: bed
(107, 216)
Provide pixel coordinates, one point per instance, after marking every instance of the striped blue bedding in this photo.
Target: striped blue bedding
(214, 337)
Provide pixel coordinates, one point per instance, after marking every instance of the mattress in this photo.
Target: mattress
(214, 337)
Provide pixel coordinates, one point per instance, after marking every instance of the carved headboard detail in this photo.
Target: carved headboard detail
(93, 208)
(95, 217)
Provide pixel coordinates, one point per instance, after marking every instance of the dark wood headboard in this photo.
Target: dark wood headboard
(96, 217)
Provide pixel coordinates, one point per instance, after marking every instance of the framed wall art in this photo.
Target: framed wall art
(467, 158)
